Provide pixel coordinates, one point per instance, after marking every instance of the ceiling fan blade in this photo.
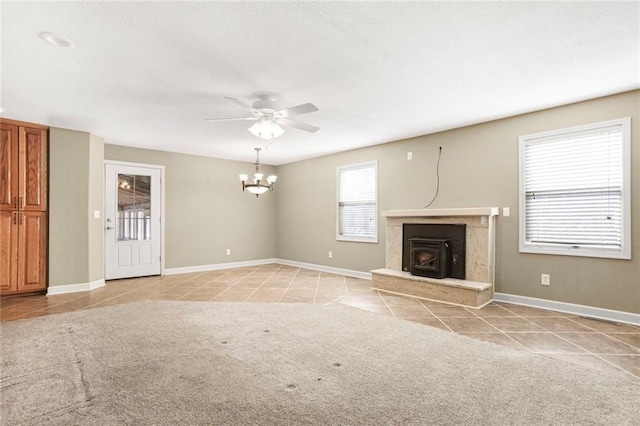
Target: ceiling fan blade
(297, 110)
(298, 125)
(240, 103)
(231, 119)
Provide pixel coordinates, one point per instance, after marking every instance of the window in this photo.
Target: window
(574, 191)
(358, 202)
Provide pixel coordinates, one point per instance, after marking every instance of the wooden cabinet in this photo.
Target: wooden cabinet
(8, 167)
(8, 251)
(23, 248)
(23, 207)
(32, 169)
(32, 250)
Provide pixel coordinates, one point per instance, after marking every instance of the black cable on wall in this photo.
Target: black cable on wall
(437, 179)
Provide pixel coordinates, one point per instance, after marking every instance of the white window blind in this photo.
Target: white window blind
(573, 191)
(357, 202)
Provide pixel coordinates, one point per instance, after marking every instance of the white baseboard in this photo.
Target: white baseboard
(216, 266)
(74, 288)
(323, 268)
(570, 308)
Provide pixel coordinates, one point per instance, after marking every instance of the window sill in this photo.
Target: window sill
(576, 251)
(355, 239)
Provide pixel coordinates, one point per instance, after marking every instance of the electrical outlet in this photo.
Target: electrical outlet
(409, 155)
(545, 279)
(506, 212)
(228, 252)
(330, 255)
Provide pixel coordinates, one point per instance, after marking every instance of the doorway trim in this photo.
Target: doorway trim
(162, 204)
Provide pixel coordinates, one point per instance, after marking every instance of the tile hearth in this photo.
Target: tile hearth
(449, 290)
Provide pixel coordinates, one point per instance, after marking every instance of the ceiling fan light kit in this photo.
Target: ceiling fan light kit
(266, 128)
(270, 119)
(258, 186)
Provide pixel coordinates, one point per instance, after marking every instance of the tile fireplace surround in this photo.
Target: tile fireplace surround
(476, 290)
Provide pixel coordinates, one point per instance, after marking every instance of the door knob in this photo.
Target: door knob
(109, 228)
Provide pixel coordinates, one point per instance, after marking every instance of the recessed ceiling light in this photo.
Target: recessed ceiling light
(57, 40)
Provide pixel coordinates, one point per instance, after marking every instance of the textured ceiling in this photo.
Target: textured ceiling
(147, 74)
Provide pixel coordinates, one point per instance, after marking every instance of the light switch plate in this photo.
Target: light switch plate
(96, 214)
(506, 211)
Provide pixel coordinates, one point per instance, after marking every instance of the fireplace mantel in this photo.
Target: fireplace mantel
(474, 211)
(480, 254)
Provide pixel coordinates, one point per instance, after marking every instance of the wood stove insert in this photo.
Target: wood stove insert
(434, 250)
(429, 257)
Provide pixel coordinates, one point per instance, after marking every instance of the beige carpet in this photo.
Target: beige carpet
(170, 363)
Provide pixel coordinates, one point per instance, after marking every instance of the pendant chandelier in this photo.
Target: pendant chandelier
(258, 186)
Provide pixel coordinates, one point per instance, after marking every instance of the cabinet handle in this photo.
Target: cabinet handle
(15, 218)
(15, 202)
(21, 203)
(20, 218)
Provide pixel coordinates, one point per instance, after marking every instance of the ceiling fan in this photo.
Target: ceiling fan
(269, 118)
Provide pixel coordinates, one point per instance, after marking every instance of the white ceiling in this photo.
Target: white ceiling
(147, 74)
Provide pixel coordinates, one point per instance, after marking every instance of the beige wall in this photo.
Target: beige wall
(478, 168)
(95, 202)
(206, 211)
(68, 203)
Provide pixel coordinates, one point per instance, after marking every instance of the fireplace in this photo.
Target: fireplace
(429, 257)
(434, 250)
(471, 254)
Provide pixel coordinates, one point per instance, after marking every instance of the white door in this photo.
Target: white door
(132, 221)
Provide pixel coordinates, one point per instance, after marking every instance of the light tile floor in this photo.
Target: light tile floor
(608, 347)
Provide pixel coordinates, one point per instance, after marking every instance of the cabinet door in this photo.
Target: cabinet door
(8, 251)
(32, 249)
(33, 169)
(8, 167)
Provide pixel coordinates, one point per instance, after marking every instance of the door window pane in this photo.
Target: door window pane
(134, 208)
